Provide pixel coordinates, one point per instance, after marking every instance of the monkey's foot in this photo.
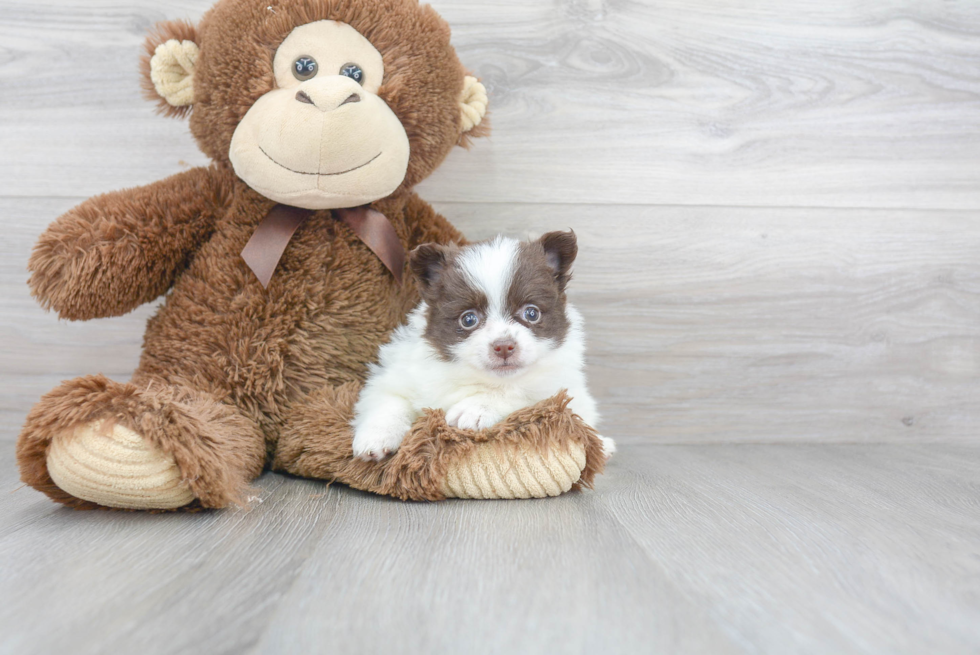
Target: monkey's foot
(92, 442)
(492, 471)
(115, 467)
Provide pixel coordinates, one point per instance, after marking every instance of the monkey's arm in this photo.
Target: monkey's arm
(119, 250)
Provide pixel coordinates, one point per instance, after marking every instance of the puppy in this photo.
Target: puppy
(493, 333)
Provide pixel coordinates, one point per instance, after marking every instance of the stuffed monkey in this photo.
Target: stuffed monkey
(283, 270)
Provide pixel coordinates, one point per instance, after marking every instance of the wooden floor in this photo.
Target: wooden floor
(713, 549)
(778, 206)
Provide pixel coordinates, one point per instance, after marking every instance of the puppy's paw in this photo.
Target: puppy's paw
(608, 446)
(377, 440)
(472, 414)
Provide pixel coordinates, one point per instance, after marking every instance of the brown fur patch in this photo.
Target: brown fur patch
(117, 251)
(534, 282)
(447, 294)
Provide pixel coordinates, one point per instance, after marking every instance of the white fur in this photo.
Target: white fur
(489, 267)
(411, 376)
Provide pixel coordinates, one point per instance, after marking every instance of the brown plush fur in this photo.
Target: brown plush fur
(232, 375)
(214, 446)
(317, 443)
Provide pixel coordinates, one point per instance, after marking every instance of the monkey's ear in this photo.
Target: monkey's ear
(169, 57)
(473, 110)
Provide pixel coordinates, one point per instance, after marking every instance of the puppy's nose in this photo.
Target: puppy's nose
(504, 348)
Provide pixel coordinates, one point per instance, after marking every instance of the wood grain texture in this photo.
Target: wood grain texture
(680, 549)
(704, 324)
(804, 103)
(97, 582)
(806, 549)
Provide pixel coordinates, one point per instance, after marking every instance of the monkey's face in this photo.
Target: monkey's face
(315, 103)
(323, 138)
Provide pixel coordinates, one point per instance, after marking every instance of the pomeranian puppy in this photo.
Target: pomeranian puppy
(493, 333)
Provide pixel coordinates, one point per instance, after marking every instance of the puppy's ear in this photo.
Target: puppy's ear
(428, 262)
(560, 249)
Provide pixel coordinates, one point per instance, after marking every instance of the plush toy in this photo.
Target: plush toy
(283, 265)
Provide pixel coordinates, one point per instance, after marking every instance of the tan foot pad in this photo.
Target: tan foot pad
(492, 471)
(116, 467)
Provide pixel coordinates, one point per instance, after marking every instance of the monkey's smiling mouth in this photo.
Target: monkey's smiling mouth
(349, 170)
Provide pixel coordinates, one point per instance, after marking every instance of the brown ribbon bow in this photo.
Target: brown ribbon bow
(264, 250)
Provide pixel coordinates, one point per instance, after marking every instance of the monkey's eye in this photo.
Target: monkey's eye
(469, 320)
(304, 68)
(531, 314)
(354, 72)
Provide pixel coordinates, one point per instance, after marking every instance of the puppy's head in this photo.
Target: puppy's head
(496, 306)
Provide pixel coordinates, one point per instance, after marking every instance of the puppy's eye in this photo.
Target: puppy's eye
(304, 68)
(469, 320)
(354, 72)
(531, 314)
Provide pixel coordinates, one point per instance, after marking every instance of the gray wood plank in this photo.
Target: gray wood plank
(546, 576)
(97, 582)
(843, 104)
(815, 548)
(687, 549)
(77, 64)
(705, 324)
(866, 104)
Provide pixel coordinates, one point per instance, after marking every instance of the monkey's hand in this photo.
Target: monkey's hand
(119, 250)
